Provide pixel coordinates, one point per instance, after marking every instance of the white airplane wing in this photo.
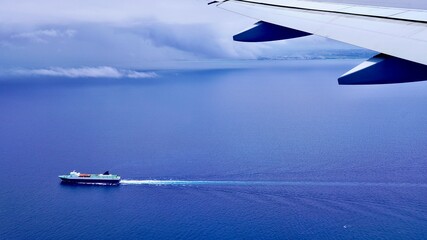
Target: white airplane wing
(400, 35)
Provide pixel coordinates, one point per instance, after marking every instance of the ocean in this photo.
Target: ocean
(249, 150)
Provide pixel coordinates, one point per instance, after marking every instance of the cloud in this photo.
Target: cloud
(44, 34)
(134, 74)
(133, 34)
(46, 12)
(134, 47)
(135, 31)
(88, 72)
(201, 40)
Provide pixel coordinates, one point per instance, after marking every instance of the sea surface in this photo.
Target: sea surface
(249, 151)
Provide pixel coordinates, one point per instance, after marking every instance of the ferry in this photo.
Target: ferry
(85, 178)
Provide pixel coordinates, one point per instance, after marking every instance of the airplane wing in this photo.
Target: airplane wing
(399, 35)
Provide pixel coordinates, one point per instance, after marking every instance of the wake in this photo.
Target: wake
(184, 182)
(265, 183)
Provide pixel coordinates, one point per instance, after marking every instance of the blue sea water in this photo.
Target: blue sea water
(261, 151)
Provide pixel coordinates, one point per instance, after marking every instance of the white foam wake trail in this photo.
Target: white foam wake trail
(266, 183)
(182, 182)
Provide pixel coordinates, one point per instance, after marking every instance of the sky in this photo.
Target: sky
(63, 36)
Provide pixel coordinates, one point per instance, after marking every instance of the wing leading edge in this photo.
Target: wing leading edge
(400, 35)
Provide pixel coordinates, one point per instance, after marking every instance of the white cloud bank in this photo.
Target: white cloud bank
(133, 34)
(88, 72)
(44, 34)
